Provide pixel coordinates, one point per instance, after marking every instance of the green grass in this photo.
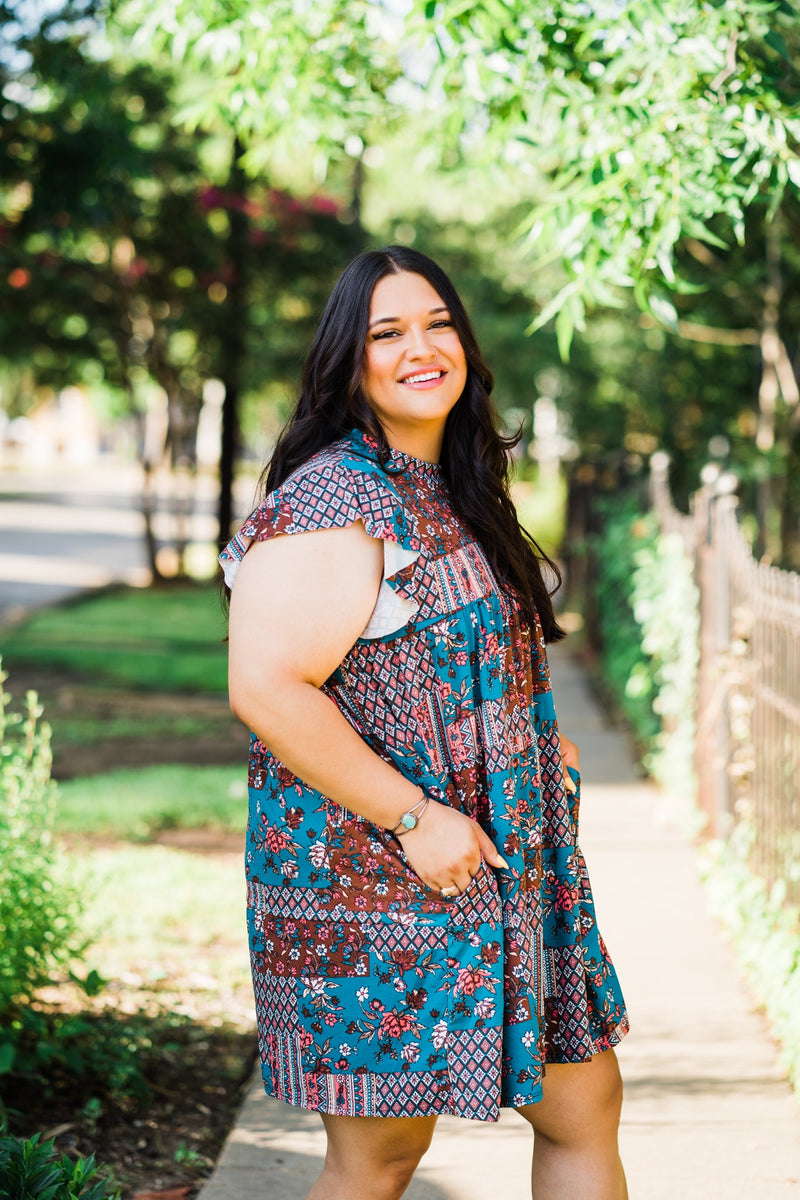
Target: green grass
(135, 804)
(167, 924)
(167, 638)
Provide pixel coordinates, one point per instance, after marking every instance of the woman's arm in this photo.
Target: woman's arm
(298, 605)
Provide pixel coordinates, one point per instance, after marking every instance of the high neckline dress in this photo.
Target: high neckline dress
(374, 995)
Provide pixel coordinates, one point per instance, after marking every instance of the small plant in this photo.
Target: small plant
(32, 1170)
(39, 910)
(91, 1112)
(186, 1157)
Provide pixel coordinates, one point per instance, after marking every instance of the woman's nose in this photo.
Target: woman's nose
(419, 343)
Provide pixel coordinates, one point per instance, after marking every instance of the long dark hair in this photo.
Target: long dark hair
(475, 455)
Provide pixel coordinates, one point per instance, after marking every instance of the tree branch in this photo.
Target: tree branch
(694, 332)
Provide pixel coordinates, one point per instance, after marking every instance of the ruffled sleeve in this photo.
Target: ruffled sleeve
(331, 495)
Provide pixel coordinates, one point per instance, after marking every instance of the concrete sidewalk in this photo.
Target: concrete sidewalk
(707, 1113)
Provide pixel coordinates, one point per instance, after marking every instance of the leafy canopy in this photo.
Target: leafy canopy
(623, 127)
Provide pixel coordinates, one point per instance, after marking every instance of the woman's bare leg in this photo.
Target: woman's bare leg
(575, 1155)
(371, 1158)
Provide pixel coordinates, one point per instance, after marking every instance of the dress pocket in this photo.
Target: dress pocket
(574, 803)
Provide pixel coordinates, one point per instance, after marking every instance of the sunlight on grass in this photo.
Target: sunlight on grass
(134, 804)
(157, 637)
(170, 925)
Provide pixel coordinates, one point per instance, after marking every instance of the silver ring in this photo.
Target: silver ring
(449, 891)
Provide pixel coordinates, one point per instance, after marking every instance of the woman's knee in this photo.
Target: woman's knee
(580, 1101)
(381, 1153)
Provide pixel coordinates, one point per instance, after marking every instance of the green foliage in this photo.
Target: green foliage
(136, 254)
(159, 637)
(765, 934)
(104, 1048)
(175, 953)
(274, 72)
(43, 924)
(31, 1169)
(649, 619)
(625, 665)
(540, 502)
(617, 167)
(565, 105)
(39, 910)
(665, 606)
(136, 804)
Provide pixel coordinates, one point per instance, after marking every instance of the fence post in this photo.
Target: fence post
(723, 509)
(705, 578)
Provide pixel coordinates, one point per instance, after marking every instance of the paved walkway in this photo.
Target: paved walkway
(67, 530)
(707, 1113)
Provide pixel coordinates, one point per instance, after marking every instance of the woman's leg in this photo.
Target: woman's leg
(371, 1158)
(575, 1154)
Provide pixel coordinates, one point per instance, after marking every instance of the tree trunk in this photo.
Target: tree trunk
(233, 341)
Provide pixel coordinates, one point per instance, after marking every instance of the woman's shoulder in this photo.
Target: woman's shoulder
(338, 480)
(334, 488)
(334, 464)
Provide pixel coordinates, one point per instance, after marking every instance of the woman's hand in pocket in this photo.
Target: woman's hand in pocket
(570, 755)
(446, 847)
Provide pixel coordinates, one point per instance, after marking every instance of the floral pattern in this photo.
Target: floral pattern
(374, 995)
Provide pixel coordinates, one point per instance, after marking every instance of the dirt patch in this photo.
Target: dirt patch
(170, 1140)
(98, 728)
(70, 762)
(213, 842)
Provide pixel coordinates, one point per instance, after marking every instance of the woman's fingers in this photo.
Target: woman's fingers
(446, 849)
(489, 851)
(570, 754)
(569, 758)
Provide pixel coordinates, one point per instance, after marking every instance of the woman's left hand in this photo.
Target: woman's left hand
(569, 757)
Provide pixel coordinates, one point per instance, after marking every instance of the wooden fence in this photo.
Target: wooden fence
(748, 694)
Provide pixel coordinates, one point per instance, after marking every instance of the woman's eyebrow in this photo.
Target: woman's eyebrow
(385, 320)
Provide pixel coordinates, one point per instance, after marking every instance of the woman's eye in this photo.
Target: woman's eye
(385, 333)
(443, 324)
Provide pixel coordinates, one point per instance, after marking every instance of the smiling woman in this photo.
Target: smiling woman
(422, 930)
(414, 364)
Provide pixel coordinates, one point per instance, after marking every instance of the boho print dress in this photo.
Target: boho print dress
(374, 995)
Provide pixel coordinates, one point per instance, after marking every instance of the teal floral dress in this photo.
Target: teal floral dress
(374, 995)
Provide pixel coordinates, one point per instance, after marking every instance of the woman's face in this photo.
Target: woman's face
(414, 365)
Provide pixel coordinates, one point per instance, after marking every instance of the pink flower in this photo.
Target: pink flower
(565, 898)
(470, 979)
(395, 1023)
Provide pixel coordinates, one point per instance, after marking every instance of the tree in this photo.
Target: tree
(626, 127)
(125, 261)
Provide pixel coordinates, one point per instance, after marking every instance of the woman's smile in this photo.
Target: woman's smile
(415, 368)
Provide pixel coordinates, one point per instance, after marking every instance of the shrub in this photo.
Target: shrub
(32, 1170)
(625, 665)
(649, 619)
(764, 931)
(39, 911)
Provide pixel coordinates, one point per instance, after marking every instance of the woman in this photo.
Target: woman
(421, 923)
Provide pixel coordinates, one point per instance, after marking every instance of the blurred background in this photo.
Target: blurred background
(615, 191)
